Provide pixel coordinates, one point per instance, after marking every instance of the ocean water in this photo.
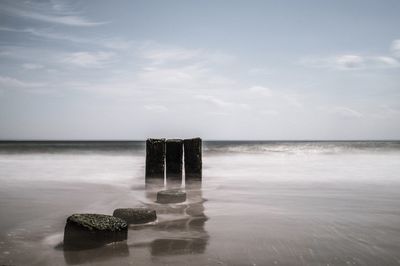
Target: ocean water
(259, 203)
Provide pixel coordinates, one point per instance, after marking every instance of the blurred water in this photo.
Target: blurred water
(260, 203)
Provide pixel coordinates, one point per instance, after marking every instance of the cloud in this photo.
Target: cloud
(356, 61)
(259, 71)
(159, 54)
(31, 66)
(292, 99)
(260, 90)
(167, 76)
(395, 48)
(269, 112)
(65, 20)
(386, 61)
(214, 100)
(9, 82)
(89, 59)
(386, 112)
(134, 75)
(352, 62)
(348, 61)
(19, 55)
(45, 12)
(345, 112)
(110, 43)
(220, 102)
(182, 77)
(45, 33)
(156, 108)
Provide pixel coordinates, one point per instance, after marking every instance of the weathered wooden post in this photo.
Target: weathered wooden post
(155, 159)
(193, 160)
(174, 158)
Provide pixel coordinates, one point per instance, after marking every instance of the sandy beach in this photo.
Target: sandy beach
(259, 204)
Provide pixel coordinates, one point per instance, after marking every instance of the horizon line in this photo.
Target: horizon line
(252, 140)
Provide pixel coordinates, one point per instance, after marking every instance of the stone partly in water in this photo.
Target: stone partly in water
(171, 196)
(84, 231)
(136, 215)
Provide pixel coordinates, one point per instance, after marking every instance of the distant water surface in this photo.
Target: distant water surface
(260, 203)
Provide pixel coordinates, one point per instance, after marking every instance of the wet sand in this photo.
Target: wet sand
(303, 208)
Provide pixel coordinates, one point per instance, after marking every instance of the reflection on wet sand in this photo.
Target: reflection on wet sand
(105, 253)
(186, 232)
(165, 247)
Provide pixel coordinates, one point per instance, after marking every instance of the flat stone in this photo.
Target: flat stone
(86, 230)
(171, 196)
(136, 215)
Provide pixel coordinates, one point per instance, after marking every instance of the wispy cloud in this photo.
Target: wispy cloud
(282, 97)
(395, 48)
(9, 82)
(51, 34)
(214, 100)
(345, 112)
(220, 102)
(293, 99)
(31, 66)
(386, 112)
(356, 61)
(260, 90)
(159, 54)
(178, 76)
(89, 59)
(45, 33)
(352, 62)
(269, 112)
(49, 13)
(156, 108)
(259, 71)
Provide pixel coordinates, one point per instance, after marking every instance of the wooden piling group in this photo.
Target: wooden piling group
(165, 157)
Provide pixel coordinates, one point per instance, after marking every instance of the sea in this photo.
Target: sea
(258, 203)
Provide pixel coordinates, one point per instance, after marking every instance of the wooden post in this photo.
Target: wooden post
(193, 160)
(174, 157)
(155, 157)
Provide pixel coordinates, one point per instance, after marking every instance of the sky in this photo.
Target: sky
(218, 69)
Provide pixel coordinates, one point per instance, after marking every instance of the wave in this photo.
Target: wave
(302, 147)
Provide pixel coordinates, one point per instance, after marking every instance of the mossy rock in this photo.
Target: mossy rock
(86, 230)
(136, 215)
(171, 196)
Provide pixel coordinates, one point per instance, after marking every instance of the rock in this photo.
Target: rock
(136, 215)
(171, 196)
(84, 231)
(193, 159)
(155, 157)
(173, 159)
